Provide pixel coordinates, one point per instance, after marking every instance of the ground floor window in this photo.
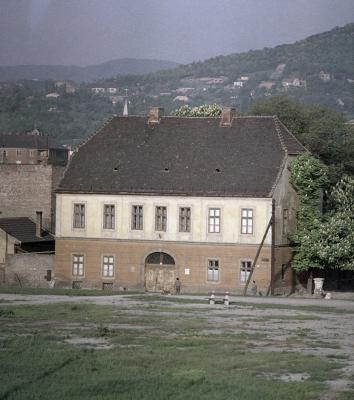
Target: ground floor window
(213, 270)
(78, 265)
(108, 266)
(245, 270)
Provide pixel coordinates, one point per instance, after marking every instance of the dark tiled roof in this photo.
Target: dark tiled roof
(192, 156)
(28, 141)
(24, 230)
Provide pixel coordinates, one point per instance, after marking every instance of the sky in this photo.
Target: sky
(87, 32)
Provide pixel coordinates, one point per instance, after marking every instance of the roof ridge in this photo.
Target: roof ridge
(280, 135)
(290, 133)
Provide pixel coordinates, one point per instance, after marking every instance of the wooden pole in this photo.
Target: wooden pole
(272, 259)
(257, 255)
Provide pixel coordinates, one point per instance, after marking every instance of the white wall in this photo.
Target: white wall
(230, 217)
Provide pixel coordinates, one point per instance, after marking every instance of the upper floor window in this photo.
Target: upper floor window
(78, 265)
(108, 266)
(137, 217)
(245, 270)
(213, 270)
(214, 220)
(79, 215)
(18, 152)
(184, 219)
(109, 216)
(161, 218)
(247, 220)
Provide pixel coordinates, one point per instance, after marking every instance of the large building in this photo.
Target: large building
(31, 166)
(150, 199)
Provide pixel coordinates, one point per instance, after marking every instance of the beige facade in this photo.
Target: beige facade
(191, 251)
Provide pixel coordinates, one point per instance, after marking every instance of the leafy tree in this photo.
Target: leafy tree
(205, 110)
(308, 177)
(322, 240)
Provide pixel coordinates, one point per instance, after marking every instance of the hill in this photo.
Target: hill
(90, 73)
(317, 70)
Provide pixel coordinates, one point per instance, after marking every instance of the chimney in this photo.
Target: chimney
(227, 115)
(155, 115)
(38, 223)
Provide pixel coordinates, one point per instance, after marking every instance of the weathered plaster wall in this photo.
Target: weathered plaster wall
(25, 189)
(27, 270)
(230, 218)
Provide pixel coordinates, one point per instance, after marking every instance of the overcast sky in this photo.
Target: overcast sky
(84, 32)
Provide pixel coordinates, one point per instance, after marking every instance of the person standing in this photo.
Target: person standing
(178, 286)
(254, 288)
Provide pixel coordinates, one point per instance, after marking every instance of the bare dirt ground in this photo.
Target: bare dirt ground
(309, 326)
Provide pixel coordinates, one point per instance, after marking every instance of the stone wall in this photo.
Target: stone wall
(27, 270)
(25, 189)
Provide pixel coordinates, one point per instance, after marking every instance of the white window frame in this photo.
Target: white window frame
(161, 218)
(185, 219)
(214, 220)
(137, 218)
(78, 265)
(213, 270)
(82, 216)
(108, 266)
(247, 221)
(111, 217)
(245, 270)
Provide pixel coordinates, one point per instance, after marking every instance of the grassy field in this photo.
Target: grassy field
(159, 350)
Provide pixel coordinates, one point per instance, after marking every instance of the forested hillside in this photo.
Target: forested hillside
(317, 70)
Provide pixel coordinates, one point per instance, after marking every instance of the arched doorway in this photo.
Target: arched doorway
(160, 272)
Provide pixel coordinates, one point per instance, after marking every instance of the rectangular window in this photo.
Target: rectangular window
(108, 216)
(213, 270)
(184, 219)
(78, 265)
(214, 220)
(108, 266)
(247, 220)
(245, 270)
(18, 152)
(160, 218)
(79, 215)
(137, 217)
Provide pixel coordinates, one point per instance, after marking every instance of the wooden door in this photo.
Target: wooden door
(159, 278)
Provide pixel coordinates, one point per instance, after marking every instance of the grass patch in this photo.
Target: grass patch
(173, 357)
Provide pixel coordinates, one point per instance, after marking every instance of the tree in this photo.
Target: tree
(322, 240)
(308, 177)
(205, 110)
(320, 129)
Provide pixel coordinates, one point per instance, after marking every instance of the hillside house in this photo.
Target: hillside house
(149, 199)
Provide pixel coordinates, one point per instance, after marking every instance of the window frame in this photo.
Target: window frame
(246, 272)
(137, 217)
(247, 218)
(214, 265)
(112, 264)
(212, 219)
(161, 218)
(75, 265)
(82, 223)
(185, 221)
(111, 215)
